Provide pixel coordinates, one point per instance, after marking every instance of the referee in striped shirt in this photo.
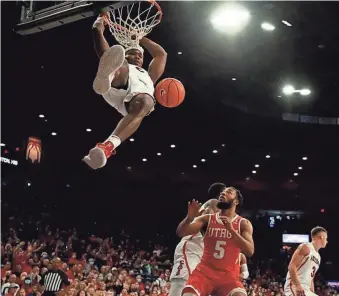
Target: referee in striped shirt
(54, 279)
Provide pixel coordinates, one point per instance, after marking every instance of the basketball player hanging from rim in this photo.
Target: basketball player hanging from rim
(122, 81)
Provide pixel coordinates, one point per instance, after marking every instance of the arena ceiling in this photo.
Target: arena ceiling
(51, 74)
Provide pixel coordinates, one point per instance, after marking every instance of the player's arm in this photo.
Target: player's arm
(244, 240)
(300, 253)
(100, 43)
(243, 267)
(209, 207)
(312, 286)
(157, 66)
(189, 226)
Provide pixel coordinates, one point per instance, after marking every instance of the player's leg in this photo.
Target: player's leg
(198, 285)
(238, 292)
(138, 107)
(232, 287)
(177, 286)
(112, 70)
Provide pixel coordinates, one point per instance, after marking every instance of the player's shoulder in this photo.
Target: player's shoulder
(304, 249)
(244, 221)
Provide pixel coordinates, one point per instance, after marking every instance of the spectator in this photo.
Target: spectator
(11, 284)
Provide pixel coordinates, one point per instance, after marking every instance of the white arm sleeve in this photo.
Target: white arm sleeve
(244, 271)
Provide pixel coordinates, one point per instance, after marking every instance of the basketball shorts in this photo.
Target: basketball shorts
(205, 281)
(119, 98)
(184, 265)
(291, 291)
(177, 285)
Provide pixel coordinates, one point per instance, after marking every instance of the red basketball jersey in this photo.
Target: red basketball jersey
(220, 251)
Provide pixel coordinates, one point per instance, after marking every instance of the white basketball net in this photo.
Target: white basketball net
(129, 24)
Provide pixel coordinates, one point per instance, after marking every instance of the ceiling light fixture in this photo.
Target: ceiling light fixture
(286, 23)
(305, 92)
(267, 26)
(288, 90)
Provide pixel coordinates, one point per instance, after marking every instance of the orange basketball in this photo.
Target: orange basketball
(170, 92)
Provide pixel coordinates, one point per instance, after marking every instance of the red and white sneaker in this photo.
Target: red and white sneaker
(110, 62)
(97, 157)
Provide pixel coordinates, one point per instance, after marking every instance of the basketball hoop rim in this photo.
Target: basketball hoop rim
(155, 3)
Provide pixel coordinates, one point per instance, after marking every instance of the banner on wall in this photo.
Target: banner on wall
(34, 150)
(9, 161)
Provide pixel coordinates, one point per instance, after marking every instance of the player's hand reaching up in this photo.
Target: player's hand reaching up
(193, 209)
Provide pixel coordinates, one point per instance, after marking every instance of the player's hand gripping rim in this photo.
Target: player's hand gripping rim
(100, 23)
(193, 209)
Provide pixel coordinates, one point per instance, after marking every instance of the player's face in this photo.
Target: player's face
(323, 239)
(227, 198)
(135, 57)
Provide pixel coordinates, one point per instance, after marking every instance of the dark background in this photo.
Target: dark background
(51, 73)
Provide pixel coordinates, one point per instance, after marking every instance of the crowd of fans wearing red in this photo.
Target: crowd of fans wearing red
(103, 267)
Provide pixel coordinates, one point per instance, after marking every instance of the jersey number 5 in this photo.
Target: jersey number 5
(219, 250)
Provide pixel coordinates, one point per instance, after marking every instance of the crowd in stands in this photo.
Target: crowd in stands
(108, 266)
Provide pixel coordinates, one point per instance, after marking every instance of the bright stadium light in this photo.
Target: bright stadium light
(288, 90)
(286, 23)
(231, 19)
(305, 92)
(267, 27)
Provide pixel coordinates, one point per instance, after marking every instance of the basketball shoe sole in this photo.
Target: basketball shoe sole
(96, 158)
(109, 63)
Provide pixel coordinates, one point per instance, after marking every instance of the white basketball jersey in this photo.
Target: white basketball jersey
(140, 81)
(187, 256)
(306, 270)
